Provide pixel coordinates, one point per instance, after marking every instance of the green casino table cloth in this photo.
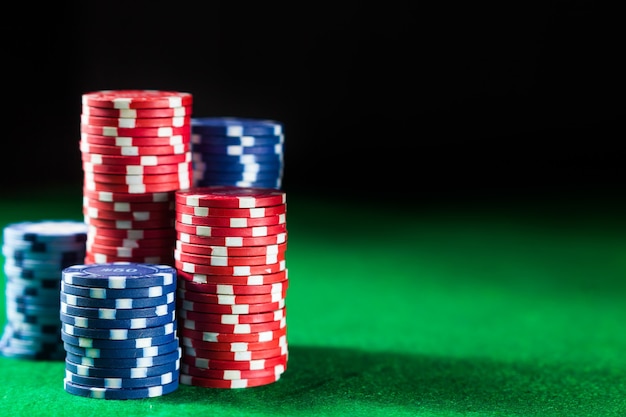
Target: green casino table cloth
(497, 307)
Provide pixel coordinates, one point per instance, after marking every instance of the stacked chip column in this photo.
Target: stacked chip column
(232, 279)
(237, 151)
(136, 153)
(119, 330)
(35, 254)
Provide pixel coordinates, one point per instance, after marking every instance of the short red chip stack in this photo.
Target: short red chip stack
(232, 285)
(136, 154)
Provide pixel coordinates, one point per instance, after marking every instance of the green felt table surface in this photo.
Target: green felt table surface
(494, 308)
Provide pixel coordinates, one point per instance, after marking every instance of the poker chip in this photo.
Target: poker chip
(128, 206)
(231, 222)
(232, 241)
(233, 126)
(35, 254)
(254, 212)
(231, 374)
(119, 393)
(246, 141)
(225, 251)
(134, 215)
(213, 337)
(230, 197)
(179, 149)
(246, 355)
(234, 347)
(226, 384)
(135, 169)
(233, 166)
(214, 260)
(143, 160)
(229, 289)
(129, 123)
(242, 328)
(216, 364)
(260, 279)
(141, 113)
(211, 231)
(136, 99)
(192, 316)
(119, 315)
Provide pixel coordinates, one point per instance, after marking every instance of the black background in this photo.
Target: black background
(404, 98)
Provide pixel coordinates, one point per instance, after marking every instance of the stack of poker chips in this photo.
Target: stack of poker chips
(237, 151)
(136, 151)
(35, 254)
(119, 330)
(232, 280)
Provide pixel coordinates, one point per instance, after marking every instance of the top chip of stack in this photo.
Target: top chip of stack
(241, 152)
(136, 152)
(35, 254)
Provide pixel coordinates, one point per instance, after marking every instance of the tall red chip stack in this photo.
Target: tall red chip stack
(136, 153)
(232, 285)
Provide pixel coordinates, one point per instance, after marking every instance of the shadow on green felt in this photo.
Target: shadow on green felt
(320, 380)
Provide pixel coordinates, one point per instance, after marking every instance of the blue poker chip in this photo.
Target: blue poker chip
(45, 247)
(119, 275)
(237, 166)
(210, 159)
(54, 283)
(117, 303)
(33, 355)
(139, 372)
(121, 333)
(68, 257)
(118, 314)
(136, 323)
(112, 383)
(237, 140)
(31, 309)
(32, 301)
(109, 293)
(13, 289)
(40, 319)
(122, 352)
(48, 231)
(33, 274)
(12, 333)
(236, 150)
(242, 176)
(117, 363)
(119, 393)
(32, 329)
(245, 184)
(236, 126)
(139, 343)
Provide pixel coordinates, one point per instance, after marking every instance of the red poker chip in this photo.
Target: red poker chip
(128, 123)
(210, 337)
(231, 197)
(134, 189)
(137, 113)
(135, 215)
(206, 363)
(210, 231)
(226, 384)
(110, 197)
(229, 299)
(232, 318)
(122, 252)
(214, 250)
(129, 243)
(158, 132)
(100, 258)
(247, 355)
(232, 347)
(144, 160)
(233, 289)
(232, 241)
(127, 207)
(230, 309)
(137, 179)
(230, 270)
(137, 169)
(129, 224)
(134, 234)
(86, 147)
(230, 221)
(231, 212)
(245, 328)
(136, 99)
(231, 374)
(128, 141)
(228, 260)
(260, 279)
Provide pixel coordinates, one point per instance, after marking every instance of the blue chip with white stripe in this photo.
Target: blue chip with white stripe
(135, 323)
(117, 303)
(138, 372)
(117, 383)
(119, 275)
(118, 314)
(137, 343)
(108, 293)
(236, 126)
(146, 352)
(119, 393)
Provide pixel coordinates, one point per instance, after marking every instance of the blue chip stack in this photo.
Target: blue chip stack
(35, 254)
(120, 330)
(238, 152)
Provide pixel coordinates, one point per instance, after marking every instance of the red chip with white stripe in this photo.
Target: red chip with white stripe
(136, 99)
(231, 197)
